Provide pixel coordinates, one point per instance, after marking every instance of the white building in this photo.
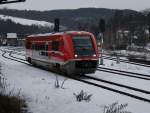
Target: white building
(12, 39)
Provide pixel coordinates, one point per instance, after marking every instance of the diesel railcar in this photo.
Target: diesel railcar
(72, 52)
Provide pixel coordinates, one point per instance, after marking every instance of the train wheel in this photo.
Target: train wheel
(29, 59)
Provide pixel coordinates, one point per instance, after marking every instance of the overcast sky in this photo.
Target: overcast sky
(74, 4)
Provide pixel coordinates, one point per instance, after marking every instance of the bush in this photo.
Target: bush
(115, 108)
(82, 96)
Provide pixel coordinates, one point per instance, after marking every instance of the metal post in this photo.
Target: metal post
(101, 60)
(118, 59)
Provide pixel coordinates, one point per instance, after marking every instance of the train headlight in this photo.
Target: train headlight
(94, 55)
(76, 55)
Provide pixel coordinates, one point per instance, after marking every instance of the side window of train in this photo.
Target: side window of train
(55, 45)
(44, 49)
(41, 47)
(36, 47)
(33, 46)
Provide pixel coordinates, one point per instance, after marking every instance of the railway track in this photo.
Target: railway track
(3, 55)
(113, 89)
(126, 61)
(114, 71)
(125, 73)
(99, 85)
(10, 54)
(21, 54)
(117, 84)
(112, 58)
(109, 70)
(105, 57)
(15, 52)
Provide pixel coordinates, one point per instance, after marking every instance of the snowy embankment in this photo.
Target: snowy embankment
(37, 87)
(26, 21)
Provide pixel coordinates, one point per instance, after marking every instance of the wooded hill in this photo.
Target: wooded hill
(70, 18)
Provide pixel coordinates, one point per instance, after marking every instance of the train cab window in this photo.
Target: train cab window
(55, 45)
(83, 45)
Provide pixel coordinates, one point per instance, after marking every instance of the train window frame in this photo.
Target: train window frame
(55, 45)
(44, 50)
(46, 47)
(33, 46)
(36, 47)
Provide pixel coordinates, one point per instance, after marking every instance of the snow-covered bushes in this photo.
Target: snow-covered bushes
(115, 108)
(82, 96)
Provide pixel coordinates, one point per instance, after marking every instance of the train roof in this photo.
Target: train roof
(60, 33)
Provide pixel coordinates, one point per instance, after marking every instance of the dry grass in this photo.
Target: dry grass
(12, 104)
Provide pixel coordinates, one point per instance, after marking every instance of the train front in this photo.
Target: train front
(85, 56)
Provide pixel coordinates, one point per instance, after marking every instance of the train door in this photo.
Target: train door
(57, 49)
(40, 51)
(44, 51)
(33, 48)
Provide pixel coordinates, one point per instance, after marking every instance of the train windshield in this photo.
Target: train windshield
(83, 46)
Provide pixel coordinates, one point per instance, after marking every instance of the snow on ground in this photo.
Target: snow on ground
(37, 87)
(128, 81)
(126, 67)
(26, 21)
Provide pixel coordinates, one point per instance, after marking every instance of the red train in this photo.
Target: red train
(72, 52)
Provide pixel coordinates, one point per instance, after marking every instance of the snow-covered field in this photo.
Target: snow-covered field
(26, 21)
(37, 87)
